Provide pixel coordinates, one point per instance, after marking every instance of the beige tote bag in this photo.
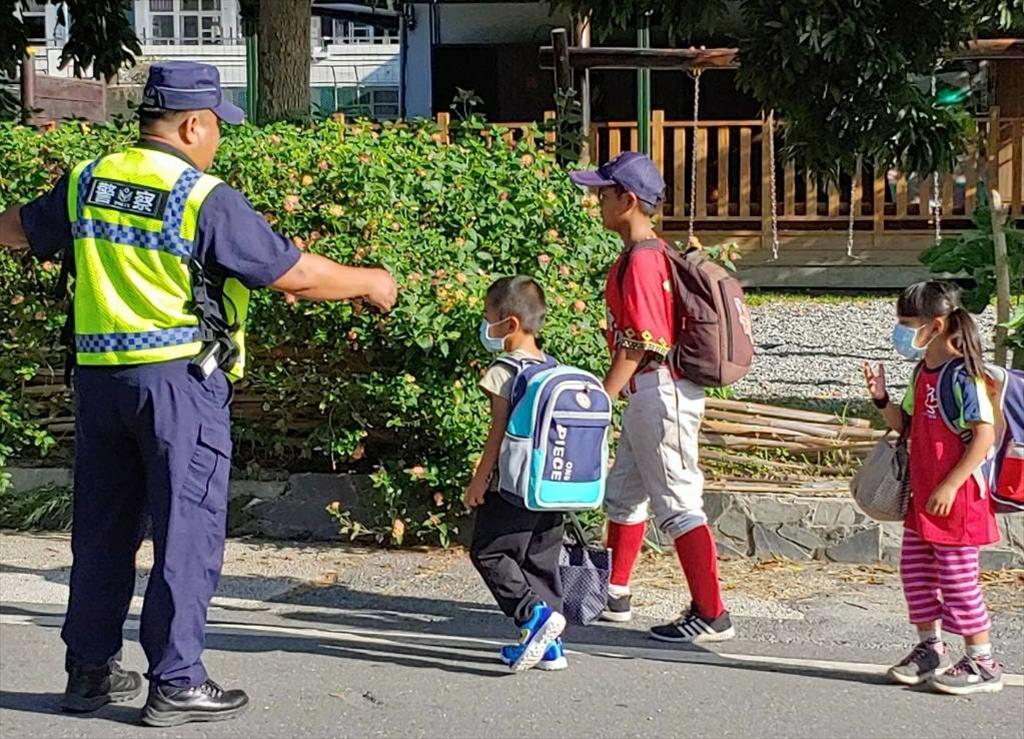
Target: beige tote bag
(882, 486)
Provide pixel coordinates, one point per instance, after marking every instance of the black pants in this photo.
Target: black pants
(516, 553)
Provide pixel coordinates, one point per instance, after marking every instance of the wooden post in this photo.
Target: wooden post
(1016, 206)
(444, 121)
(702, 172)
(28, 86)
(679, 188)
(745, 173)
(563, 72)
(588, 147)
(789, 185)
(767, 130)
(722, 206)
(999, 214)
(878, 202)
(992, 151)
(658, 140)
(550, 137)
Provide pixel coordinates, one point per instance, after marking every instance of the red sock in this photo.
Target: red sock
(699, 558)
(625, 540)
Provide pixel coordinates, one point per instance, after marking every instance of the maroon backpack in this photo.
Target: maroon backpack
(715, 343)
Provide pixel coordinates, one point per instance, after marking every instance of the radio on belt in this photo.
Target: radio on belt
(208, 360)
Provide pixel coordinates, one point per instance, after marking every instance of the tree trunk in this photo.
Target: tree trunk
(284, 60)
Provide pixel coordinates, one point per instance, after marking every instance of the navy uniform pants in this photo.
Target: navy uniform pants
(152, 442)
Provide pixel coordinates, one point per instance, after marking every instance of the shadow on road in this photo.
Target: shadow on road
(48, 704)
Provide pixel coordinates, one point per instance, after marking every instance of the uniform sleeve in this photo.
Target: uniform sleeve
(497, 380)
(975, 405)
(646, 320)
(233, 236)
(46, 222)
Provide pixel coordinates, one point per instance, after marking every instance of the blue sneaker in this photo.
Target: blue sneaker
(537, 635)
(553, 659)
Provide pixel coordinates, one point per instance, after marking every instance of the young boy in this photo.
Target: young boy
(516, 550)
(656, 460)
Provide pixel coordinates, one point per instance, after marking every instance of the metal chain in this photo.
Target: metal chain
(853, 212)
(695, 73)
(771, 173)
(936, 203)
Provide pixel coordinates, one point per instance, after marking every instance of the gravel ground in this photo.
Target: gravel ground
(814, 349)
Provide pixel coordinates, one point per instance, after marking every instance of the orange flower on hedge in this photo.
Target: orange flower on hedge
(307, 180)
(417, 472)
(544, 260)
(291, 203)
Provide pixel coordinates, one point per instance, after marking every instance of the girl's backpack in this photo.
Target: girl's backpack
(1003, 471)
(555, 453)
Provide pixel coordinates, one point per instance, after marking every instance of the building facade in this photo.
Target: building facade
(354, 67)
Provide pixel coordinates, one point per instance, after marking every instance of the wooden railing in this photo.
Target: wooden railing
(733, 177)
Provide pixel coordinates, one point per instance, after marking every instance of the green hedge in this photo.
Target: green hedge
(343, 387)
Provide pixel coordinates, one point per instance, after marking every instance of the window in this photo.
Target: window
(370, 102)
(351, 32)
(33, 16)
(189, 22)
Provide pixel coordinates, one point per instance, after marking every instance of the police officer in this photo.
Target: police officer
(164, 257)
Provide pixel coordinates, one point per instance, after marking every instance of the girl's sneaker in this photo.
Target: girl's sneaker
(969, 676)
(922, 664)
(538, 634)
(553, 659)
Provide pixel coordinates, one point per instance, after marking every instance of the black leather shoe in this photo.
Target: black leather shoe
(169, 706)
(89, 690)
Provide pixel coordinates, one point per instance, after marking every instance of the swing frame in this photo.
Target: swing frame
(563, 59)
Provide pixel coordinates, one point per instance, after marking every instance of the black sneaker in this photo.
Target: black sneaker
(619, 609)
(691, 628)
(169, 706)
(89, 690)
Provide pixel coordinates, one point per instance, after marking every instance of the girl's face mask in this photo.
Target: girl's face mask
(904, 338)
(491, 343)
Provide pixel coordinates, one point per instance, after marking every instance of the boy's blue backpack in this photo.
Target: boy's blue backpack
(555, 453)
(1003, 472)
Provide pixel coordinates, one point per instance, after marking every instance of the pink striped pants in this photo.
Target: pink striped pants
(941, 582)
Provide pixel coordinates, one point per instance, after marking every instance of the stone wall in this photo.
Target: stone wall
(763, 526)
(826, 528)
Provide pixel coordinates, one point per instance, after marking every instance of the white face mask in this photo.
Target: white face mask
(904, 338)
(491, 343)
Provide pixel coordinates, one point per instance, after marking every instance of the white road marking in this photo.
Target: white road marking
(389, 639)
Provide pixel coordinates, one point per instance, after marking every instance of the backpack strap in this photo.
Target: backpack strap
(950, 401)
(620, 276)
(520, 366)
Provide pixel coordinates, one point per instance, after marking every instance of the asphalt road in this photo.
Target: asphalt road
(343, 659)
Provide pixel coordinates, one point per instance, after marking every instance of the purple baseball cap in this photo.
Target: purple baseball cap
(188, 86)
(633, 172)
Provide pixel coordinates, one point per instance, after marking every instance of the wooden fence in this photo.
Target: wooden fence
(733, 177)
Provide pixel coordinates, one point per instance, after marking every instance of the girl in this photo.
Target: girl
(949, 515)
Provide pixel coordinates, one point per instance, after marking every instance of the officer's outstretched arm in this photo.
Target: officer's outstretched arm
(11, 232)
(317, 278)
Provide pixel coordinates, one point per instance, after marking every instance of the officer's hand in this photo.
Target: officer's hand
(383, 292)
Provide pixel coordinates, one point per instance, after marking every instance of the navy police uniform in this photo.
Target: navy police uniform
(152, 437)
